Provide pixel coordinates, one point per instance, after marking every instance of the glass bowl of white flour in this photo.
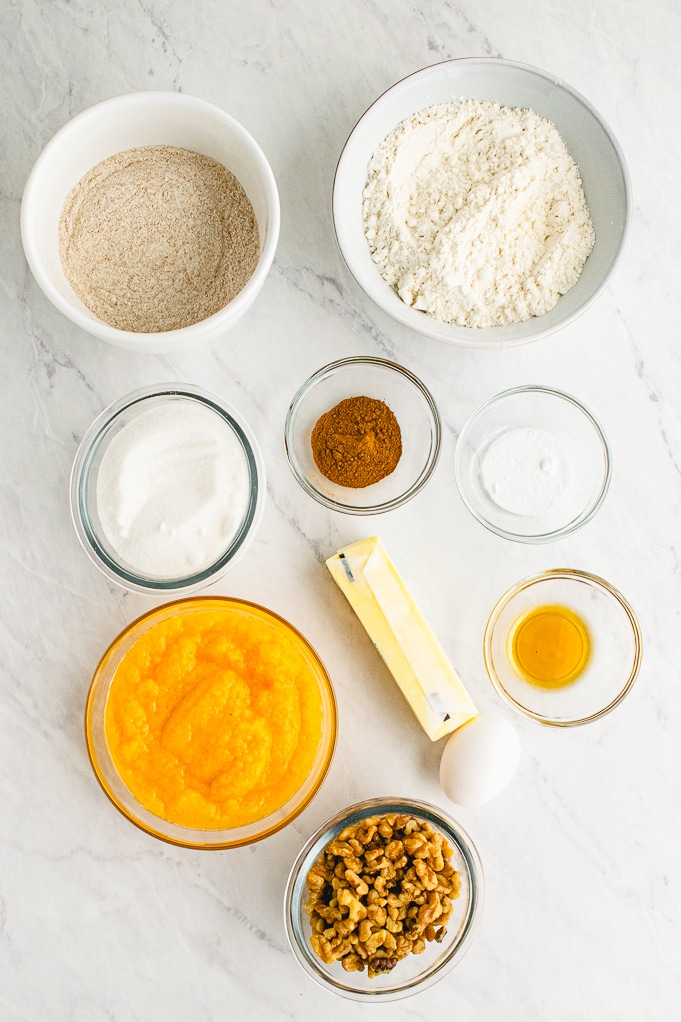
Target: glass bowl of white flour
(167, 489)
(482, 202)
(532, 464)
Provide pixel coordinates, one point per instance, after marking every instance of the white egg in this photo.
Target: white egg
(479, 760)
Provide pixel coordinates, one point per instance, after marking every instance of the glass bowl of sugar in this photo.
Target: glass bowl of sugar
(167, 489)
(532, 464)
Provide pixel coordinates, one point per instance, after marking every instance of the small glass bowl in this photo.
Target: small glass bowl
(413, 407)
(581, 463)
(83, 487)
(415, 972)
(615, 648)
(105, 769)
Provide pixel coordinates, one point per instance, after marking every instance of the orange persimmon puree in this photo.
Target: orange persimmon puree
(213, 718)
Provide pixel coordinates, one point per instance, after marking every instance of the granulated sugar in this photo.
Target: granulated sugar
(172, 490)
(157, 238)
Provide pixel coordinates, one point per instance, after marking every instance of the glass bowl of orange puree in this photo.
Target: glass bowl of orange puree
(210, 722)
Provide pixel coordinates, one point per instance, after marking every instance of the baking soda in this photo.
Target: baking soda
(525, 471)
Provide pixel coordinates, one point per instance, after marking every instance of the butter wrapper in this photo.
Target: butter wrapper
(401, 634)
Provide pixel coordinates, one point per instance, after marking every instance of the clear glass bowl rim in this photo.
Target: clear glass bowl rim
(575, 523)
(315, 844)
(526, 583)
(323, 373)
(215, 840)
(80, 472)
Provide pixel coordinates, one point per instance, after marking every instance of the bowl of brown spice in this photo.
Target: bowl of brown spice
(384, 899)
(150, 220)
(363, 435)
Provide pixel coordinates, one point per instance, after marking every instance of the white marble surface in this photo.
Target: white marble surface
(581, 854)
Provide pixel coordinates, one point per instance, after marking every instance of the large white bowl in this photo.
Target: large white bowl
(587, 137)
(142, 119)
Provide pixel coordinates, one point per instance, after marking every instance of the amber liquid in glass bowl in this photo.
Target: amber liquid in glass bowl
(549, 646)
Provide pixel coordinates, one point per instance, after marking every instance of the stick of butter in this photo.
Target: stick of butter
(398, 629)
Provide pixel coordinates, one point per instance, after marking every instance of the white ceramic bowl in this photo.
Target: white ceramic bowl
(587, 137)
(142, 119)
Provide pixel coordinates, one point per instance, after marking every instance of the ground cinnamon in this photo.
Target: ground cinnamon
(357, 442)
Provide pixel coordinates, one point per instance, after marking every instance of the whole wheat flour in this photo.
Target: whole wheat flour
(157, 238)
(475, 213)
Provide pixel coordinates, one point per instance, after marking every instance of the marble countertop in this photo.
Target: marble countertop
(581, 853)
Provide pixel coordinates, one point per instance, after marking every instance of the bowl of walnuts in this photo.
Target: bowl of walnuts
(384, 899)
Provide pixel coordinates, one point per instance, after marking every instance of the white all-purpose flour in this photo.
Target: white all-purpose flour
(475, 213)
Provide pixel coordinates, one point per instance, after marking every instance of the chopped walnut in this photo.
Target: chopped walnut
(379, 892)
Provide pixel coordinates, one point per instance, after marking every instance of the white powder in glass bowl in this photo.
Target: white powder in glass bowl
(172, 490)
(525, 471)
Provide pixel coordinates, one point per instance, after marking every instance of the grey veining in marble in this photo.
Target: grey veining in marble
(581, 853)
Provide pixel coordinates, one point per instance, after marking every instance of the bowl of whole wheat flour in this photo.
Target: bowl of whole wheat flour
(151, 221)
(482, 202)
